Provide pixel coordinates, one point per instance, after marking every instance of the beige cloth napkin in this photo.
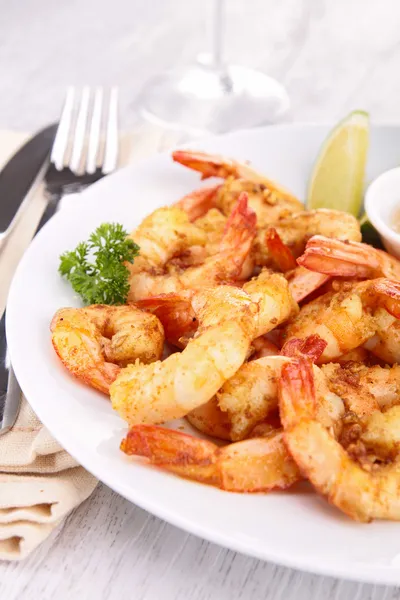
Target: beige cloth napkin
(40, 483)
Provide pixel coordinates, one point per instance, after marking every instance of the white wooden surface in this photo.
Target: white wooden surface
(332, 56)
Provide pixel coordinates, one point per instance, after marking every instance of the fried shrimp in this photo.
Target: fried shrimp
(229, 319)
(361, 494)
(251, 395)
(266, 200)
(269, 200)
(296, 230)
(93, 343)
(164, 233)
(348, 317)
(255, 465)
(348, 259)
(225, 266)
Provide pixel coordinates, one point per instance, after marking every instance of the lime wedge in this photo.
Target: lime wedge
(337, 180)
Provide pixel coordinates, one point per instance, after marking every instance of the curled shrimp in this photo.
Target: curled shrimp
(254, 465)
(93, 343)
(251, 395)
(348, 259)
(179, 320)
(361, 494)
(161, 235)
(214, 225)
(229, 319)
(225, 266)
(346, 317)
(296, 230)
(213, 165)
(269, 200)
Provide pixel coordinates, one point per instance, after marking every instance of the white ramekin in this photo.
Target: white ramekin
(381, 200)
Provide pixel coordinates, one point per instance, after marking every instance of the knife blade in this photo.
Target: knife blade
(18, 176)
(20, 179)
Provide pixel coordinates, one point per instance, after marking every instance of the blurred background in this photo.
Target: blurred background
(332, 56)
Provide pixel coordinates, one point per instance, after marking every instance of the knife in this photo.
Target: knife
(20, 179)
(20, 175)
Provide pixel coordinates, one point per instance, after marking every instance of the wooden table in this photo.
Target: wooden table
(333, 57)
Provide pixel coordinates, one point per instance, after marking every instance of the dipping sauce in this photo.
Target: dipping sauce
(395, 220)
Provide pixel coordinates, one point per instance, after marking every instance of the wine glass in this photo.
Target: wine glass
(212, 96)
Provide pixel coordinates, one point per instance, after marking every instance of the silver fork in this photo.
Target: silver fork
(85, 149)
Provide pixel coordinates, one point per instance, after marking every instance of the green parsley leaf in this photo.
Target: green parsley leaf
(96, 268)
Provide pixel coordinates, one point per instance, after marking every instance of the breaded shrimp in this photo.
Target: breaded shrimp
(229, 319)
(296, 230)
(94, 342)
(269, 200)
(225, 266)
(348, 317)
(362, 494)
(254, 465)
(348, 259)
(161, 235)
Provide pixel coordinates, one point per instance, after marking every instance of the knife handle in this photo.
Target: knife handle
(10, 391)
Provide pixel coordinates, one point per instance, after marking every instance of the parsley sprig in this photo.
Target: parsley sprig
(96, 268)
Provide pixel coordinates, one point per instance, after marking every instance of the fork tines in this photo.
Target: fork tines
(87, 135)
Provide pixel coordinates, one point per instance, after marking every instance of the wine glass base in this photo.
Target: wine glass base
(202, 99)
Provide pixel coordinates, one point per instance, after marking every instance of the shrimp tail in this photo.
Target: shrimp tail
(389, 295)
(258, 464)
(280, 252)
(174, 451)
(311, 347)
(208, 165)
(296, 392)
(175, 313)
(303, 282)
(199, 202)
(161, 446)
(339, 258)
(240, 228)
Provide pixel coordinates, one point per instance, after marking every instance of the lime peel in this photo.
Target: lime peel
(337, 179)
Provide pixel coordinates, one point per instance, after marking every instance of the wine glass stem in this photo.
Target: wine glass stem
(217, 32)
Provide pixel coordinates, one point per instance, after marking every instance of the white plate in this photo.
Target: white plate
(295, 529)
